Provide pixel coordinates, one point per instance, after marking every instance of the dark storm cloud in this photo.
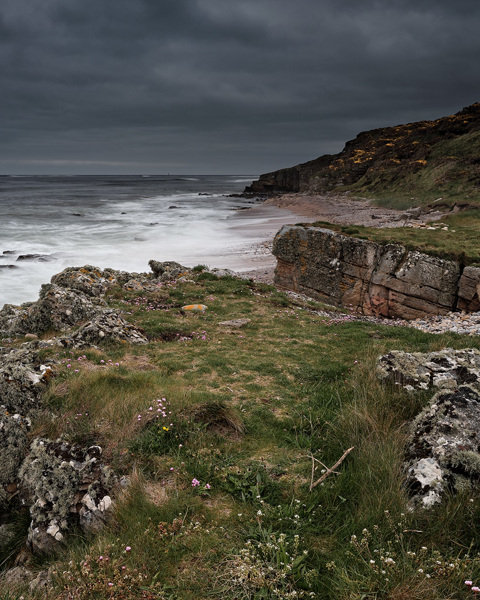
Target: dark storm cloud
(209, 85)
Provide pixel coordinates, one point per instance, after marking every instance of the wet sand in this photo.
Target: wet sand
(257, 261)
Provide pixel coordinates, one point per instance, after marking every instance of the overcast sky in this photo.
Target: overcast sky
(221, 86)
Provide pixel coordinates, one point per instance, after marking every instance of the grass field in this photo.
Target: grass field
(455, 237)
(216, 430)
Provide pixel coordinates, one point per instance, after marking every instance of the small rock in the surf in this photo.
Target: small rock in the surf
(39, 257)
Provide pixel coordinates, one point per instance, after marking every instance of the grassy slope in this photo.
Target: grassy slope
(450, 171)
(245, 409)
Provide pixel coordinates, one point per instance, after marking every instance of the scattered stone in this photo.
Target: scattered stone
(235, 323)
(419, 371)
(41, 582)
(225, 273)
(195, 307)
(442, 452)
(16, 577)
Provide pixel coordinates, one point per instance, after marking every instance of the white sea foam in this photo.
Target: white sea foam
(121, 225)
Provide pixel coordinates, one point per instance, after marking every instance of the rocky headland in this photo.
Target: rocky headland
(420, 161)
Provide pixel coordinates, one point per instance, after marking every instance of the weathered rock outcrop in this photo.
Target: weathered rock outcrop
(443, 450)
(57, 309)
(22, 380)
(63, 485)
(419, 371)
(107, 326)
(373, 279)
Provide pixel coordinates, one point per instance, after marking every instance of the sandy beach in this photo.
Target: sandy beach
(257, 260)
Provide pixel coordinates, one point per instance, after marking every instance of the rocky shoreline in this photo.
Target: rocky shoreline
(66, 486)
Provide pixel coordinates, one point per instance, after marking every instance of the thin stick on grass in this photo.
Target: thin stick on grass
(328, 471)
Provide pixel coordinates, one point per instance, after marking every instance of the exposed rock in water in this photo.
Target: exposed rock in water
(35, 257)
(443, 452)
(419, 371)
(383, 280)
(64, 485)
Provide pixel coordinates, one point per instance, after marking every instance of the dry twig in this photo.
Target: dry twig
(328, 471)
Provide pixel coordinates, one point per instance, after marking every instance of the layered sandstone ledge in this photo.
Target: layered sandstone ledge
(370, 278)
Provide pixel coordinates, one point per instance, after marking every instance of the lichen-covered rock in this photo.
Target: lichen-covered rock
(63, 484)
(92, 281)
(11, 317)
(56, 309)
(443, 449)
(142, 283)
(22, 381)
(168, 270)
(107, 326)
(60, 309)
(417, 370)
(13, 446)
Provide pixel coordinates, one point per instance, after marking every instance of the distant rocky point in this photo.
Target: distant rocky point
(420, 161)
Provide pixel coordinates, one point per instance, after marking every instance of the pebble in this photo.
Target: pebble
(453, 322)
(456, 322)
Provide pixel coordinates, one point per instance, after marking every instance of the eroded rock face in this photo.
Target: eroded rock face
(420, 371)
(383, 280)
(443, 450)
(64, 485)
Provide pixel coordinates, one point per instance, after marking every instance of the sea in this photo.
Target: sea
(48, 223)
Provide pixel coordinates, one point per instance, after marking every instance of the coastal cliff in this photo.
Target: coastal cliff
(425, 159)
(371, 278)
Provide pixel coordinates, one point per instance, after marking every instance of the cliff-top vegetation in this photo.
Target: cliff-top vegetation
(406, 165)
